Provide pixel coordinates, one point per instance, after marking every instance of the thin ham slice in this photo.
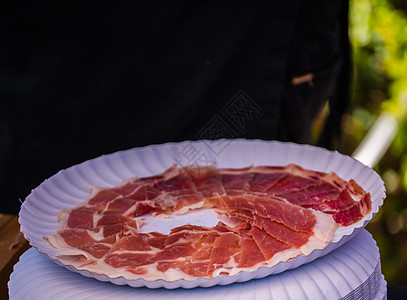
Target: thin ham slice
(81, 217)
(295, 217)
(267, 244)
(251, 254)
(275, 229)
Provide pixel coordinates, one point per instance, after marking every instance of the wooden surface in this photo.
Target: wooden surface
(12, 245)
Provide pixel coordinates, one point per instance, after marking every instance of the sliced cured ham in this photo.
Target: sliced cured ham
(266, 215)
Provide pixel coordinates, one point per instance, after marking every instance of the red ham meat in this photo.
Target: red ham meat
(267, 244)
(275, 229)
(295, 217)
(251, 254)
(81, 217)
(267, 214)
(76, 238)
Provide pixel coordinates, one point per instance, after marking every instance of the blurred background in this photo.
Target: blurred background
(378, 32)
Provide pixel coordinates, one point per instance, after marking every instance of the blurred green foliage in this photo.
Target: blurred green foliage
(378, 32)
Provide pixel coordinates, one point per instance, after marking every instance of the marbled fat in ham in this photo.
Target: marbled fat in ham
(266, 215)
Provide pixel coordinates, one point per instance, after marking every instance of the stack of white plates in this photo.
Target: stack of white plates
(349, 267)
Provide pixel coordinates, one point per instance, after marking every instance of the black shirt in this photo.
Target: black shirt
(79, 81)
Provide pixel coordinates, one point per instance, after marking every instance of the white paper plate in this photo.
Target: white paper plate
(350, 272)
(70, 187)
